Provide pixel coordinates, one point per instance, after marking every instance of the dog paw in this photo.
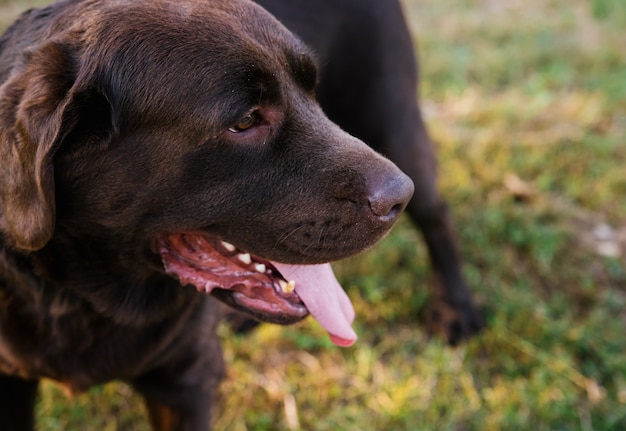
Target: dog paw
(454, 322)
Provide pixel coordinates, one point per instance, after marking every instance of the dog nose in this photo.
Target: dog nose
(389, 195)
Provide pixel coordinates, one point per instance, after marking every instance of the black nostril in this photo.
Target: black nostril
(389, 196)
(382, 207)
(396, 209)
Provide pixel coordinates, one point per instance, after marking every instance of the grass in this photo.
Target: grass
(527, 102)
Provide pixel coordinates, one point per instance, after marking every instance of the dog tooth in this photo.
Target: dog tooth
(287, 287)
(245, 258)
(260, 268)
(228, 246)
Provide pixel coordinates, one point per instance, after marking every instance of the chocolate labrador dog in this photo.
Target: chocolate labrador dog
(158, 154)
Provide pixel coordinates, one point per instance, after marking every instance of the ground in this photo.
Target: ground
(526, 100)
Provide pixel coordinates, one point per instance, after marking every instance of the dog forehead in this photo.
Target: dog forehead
(200, 35)
(235, 18)
(188, 52)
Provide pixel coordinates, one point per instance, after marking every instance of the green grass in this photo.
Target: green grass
(527, 102)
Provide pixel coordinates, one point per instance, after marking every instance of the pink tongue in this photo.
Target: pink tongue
(327, 302)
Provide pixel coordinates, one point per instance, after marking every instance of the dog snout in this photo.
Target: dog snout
(388, 195)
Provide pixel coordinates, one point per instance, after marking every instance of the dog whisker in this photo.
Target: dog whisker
(283, 238)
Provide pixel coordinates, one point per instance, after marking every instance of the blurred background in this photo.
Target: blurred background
(526, 100)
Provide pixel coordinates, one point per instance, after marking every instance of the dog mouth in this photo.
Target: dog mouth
(271, 291)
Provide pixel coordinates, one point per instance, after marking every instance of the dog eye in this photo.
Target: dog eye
(245, 123)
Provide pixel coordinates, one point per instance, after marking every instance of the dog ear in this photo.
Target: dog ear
(36, 112)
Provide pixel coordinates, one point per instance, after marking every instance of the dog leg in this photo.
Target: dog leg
(17, 403)
(175, 405)
(179, 394)
(170, 418)
(452, 312)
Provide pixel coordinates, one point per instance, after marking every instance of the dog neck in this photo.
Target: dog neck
(92, 275)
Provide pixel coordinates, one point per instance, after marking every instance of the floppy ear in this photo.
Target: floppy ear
(36, 109)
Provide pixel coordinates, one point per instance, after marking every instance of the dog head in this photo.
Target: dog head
(189, 129)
